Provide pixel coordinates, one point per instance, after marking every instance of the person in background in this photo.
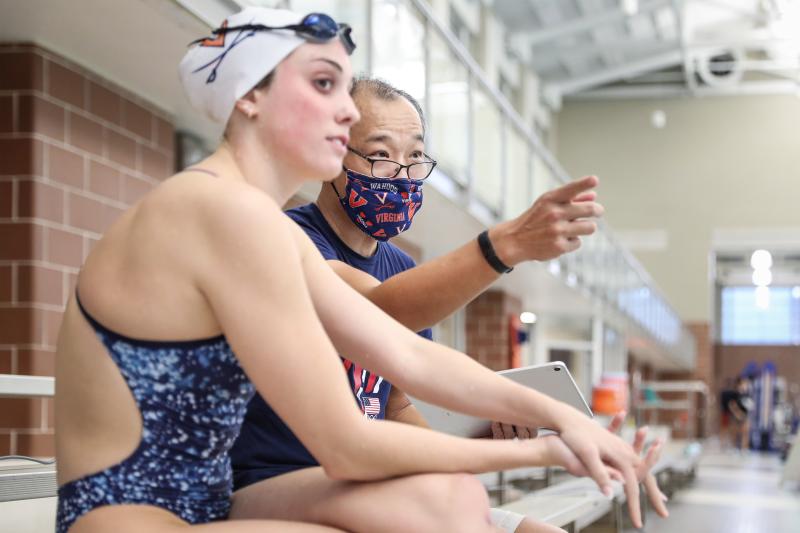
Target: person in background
(736, 405)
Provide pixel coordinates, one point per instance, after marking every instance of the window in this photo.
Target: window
(744, 322)
(448, 115)
(393, 22)
(462, 32)
(511, 92)
(487, 144)
(518, 183)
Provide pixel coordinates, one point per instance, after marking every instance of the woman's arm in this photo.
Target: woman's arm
(253, 277)
(440, 375)
(271, 293)
(426, 294)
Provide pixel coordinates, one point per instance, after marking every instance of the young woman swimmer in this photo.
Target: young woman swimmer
(204, 286)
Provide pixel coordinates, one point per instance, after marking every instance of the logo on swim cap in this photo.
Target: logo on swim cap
(237, 59)
(270, 35)
(220, 42)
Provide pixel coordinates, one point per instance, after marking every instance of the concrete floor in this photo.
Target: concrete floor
(733, 493)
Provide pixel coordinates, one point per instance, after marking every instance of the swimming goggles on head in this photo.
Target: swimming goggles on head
(315, 27)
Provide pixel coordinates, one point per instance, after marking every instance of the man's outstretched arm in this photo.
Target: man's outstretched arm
(424, 295)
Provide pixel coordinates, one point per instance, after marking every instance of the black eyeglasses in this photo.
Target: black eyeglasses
(315, 27)
(388, 169)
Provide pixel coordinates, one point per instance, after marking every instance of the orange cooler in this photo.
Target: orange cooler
(605, 400)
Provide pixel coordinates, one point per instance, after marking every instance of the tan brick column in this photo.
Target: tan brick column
(75, 151)
(487, 326)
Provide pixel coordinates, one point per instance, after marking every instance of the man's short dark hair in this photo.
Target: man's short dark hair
(385, 91)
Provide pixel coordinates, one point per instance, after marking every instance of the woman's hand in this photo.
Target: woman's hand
(657, 498)
(558, 454)
(598, 450)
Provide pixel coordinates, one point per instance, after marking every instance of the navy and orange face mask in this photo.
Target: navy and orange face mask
(382, 208)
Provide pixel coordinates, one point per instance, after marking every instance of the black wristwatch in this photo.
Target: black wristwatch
(489, 254)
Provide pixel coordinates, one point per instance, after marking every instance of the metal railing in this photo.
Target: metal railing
(22, 479)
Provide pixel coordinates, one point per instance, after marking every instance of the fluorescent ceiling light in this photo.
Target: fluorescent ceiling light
(658, 119)
(761, 260)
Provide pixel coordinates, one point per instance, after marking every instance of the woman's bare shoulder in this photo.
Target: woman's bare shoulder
(212, 203)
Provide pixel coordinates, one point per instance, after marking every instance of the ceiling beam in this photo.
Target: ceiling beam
(663, 29)
(745, 88)
(585, 23)
(678, 7)
(616, 45)
(666, 59)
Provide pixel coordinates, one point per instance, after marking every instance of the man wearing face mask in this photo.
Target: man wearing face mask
(352, 221)
(376, 198)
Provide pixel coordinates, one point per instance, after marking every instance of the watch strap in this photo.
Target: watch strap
(490, 255)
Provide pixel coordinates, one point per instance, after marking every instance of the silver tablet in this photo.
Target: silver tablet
(552, 379)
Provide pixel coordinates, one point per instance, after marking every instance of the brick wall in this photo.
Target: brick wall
(705, 371)
(705, 351)
(488, 329)
(75, 151)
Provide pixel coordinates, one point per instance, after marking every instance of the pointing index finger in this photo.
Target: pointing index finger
(567, 193)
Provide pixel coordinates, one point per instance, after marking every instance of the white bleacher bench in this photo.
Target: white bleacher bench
(27, 489)
(572, 504)
(26, 480)
(12, 386)
(577, 503)
(508, 485)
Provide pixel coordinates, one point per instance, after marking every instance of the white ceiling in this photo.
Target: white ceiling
(594, 48)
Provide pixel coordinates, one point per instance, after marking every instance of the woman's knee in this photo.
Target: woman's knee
(470, 491)
(455, 502)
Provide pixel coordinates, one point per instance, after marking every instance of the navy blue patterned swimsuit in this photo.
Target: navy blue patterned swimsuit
(192, 396)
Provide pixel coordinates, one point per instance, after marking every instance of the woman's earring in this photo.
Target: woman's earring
(247, 109)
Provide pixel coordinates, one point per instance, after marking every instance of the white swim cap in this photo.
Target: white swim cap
(219, 70)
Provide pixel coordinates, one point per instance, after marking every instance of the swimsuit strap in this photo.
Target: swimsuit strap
(203, 170)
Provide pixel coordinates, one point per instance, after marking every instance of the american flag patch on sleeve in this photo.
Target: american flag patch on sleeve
(371, 406)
